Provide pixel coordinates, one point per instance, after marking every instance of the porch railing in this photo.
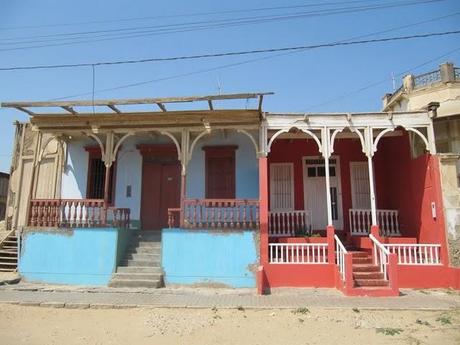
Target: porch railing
(380, 256)
(416, 254)
(287, 223)
(217, 214)
(361, 222)
(76, 213)
(340, 252)
(298, 253)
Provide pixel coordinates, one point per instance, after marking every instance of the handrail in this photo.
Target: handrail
(380, 254)
(5, 238)
(340, 252)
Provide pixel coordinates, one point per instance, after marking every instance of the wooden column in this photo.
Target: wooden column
(370, 166)
(326, 155)
(263, 209)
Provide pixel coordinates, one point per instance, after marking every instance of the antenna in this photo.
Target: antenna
(393, 80)
(219, 86)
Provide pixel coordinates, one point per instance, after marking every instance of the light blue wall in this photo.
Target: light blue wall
(73, 256)
(203, 256)
(75, 174)
(247, 171)
(129, 169)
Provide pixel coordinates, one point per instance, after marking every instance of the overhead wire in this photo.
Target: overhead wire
(235, 53)
(114, 34)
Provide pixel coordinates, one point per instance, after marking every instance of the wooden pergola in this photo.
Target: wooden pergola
(120, 119)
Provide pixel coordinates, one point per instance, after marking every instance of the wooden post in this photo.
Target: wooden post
(106, 193)
(326, 155)
(370, 166)
(182, 198)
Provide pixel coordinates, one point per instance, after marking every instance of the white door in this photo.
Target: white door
(315, 191)
(360, 191)
(281, 187)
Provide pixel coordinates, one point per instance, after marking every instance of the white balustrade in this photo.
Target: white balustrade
(416, 254)
(298, 253)
(380, 256)
(340, 252)
(287, 223)
(361, 222)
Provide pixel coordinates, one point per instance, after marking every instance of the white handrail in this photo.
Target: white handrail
(380, 254)
(340, 252)
(361, 221)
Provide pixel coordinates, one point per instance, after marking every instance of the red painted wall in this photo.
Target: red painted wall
(300, 275)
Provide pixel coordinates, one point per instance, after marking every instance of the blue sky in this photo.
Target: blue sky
(329, 79)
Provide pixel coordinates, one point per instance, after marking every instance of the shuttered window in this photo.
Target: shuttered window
(360, 185)
(281, 187)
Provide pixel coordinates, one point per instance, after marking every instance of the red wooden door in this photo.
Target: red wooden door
(160, 191)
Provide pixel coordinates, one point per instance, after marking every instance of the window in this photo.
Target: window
(281, 186)
(96, 176)
(220, 172)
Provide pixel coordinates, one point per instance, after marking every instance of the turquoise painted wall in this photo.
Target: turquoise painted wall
(209, 257)
(73, 256)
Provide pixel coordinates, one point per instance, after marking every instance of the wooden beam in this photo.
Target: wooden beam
(261, 98)
(25, 110)
(210, 104)
(70, 110)
(114, 108)
(161, 106)
(107, 102)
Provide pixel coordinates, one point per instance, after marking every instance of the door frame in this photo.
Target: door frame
(338, 224)
(160, 151)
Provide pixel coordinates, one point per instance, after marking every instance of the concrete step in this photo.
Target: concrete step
(8, 258)
(137, 276)
(371, 282)
(139, 269)
(140, 263)
(367, 275)
(365, 268)
(362, 260)
(147, 250)
(359, 254)
(143, 257)
(5, 247)
(135, 283)
(8, 252)
(8, 264)
(144, 244)
(2, 269)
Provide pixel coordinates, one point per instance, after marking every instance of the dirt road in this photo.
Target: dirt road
(39, 325)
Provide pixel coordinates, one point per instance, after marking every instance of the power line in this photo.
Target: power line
(127, 33)
(235, 53)
(373, 84)
(196, 14)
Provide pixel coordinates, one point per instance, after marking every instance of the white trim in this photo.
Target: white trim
(338, 224)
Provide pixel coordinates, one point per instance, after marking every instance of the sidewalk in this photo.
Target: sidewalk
(181, 297)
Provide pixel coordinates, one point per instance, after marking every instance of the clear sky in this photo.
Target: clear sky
(352, 78)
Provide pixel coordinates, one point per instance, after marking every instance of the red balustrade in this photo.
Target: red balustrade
(218, 214)
(75, 213)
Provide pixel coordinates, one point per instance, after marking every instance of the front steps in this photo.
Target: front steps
(367, 278)
(9, 254)
(141, 265)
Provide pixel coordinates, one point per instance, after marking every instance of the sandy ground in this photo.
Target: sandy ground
(39, 325)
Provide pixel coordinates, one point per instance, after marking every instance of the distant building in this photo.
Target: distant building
(4, 178)
(440, 86)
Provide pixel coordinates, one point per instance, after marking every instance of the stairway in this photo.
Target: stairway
(365, 273)
(9, 253)
(141, 265)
